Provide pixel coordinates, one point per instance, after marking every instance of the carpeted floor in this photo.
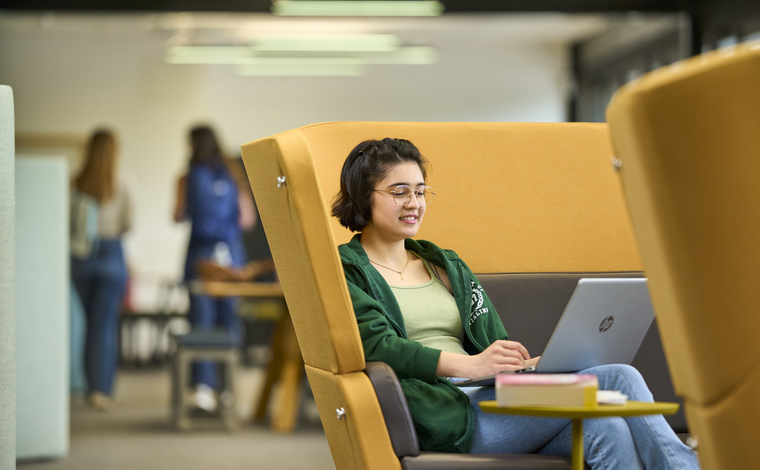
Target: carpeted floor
(135, 434)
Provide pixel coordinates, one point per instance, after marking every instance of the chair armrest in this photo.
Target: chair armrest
(395, 409)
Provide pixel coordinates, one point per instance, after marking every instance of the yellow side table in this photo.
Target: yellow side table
(579, 413)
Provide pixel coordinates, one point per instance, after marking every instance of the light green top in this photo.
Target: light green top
(431, 316)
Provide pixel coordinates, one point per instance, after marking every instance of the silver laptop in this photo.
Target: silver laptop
(604, 322)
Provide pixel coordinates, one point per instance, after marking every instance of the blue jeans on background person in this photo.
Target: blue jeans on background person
(101, 281)
(77, 335)
(207, 313)
(613, 443)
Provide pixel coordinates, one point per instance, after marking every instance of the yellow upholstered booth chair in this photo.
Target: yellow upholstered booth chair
(688, 139)
(511, 198)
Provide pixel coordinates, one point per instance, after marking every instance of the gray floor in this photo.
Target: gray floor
(136, 434)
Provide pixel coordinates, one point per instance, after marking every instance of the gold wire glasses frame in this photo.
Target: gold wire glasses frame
(402, 194)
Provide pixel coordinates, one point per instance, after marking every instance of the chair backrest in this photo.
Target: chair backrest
(525, 198)
(688, 136)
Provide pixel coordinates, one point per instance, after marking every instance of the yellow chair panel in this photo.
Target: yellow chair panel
(688, 136)
(359, 438)
(308, 266)
(512, 197)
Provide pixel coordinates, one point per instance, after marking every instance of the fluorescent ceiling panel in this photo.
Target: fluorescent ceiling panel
(357, 8)
(326, 42)
(409, 55)
(301, 70)
(307, 61)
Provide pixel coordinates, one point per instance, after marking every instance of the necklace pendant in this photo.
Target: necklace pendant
(402, 276)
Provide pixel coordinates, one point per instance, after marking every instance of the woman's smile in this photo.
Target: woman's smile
(409, 219)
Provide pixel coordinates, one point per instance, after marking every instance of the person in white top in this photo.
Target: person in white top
(98, 270)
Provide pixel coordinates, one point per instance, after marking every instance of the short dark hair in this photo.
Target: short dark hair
(367, 164)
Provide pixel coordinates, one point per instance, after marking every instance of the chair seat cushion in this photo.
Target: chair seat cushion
(207, 339)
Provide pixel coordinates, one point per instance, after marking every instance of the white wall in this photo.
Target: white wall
(70, 74)
(42, 321)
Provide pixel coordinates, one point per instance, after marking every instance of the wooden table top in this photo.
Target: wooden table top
(631, 408)
(237, 289)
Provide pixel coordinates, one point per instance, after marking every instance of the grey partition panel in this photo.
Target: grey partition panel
(42, 308)
(7, 289)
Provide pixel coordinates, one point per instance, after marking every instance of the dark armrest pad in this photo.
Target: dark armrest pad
(395, 409)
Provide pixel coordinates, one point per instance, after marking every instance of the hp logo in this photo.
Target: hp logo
(606, 324)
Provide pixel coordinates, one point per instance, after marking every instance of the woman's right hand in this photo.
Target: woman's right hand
(500, 356)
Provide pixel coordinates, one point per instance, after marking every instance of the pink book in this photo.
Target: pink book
(544, 379)
(546, 389)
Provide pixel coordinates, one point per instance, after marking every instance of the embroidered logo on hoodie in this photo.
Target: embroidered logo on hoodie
(477, 302)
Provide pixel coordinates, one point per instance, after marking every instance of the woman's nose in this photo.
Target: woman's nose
(412, 202)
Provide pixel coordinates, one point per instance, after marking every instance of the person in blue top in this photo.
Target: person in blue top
(422, 311)
(208, 197)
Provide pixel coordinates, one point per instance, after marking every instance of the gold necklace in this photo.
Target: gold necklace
(400, 273)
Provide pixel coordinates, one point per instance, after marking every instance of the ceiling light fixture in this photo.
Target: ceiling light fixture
(306, 55)
(326, 67)
(407, 55)
(357, 8)
(326, 42)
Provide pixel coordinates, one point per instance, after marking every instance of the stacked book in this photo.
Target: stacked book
(546, 389)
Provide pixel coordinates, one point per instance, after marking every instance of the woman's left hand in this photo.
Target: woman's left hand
(532, 362)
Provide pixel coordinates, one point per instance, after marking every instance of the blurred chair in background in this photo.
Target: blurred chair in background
(687, 141)
(158, 311)
(206, 345)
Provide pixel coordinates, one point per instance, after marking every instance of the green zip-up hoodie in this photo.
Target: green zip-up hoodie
(441, 412)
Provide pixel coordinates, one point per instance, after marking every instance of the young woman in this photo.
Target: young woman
(208, 196)
(99, 272)
(414, 307)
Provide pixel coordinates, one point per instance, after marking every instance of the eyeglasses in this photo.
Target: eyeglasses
(402, 194)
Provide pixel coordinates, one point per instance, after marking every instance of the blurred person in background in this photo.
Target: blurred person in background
(208, 196)
(101, 214)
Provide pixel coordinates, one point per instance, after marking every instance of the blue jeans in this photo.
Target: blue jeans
(614, 443)
(77, 337)
(101, 281)
(208, 313)
(211, 312)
